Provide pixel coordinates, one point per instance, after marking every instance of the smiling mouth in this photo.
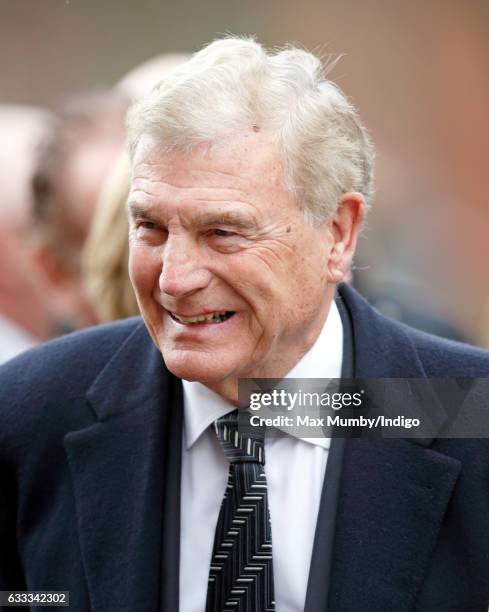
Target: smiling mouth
(212, 317)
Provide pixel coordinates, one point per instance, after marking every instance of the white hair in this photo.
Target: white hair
(234, 85)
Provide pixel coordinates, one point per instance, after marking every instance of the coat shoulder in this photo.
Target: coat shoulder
(56, 375)
(442, 358)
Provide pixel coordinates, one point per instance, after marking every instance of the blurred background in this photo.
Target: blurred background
(418, 72)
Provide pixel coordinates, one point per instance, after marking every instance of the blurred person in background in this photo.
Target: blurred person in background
(106, 251)
(26, 307)
(75, 159)
(139, 81)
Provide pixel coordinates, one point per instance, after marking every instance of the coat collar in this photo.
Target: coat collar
(123, 490)
(393, 493)
(383, 349)
(133, 376)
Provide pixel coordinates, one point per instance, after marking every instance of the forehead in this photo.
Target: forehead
(247, 163)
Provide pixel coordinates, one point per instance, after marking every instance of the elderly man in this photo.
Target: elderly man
(124, 477)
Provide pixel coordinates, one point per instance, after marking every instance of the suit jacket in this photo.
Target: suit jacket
(90, 449)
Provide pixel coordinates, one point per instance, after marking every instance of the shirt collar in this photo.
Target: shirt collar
(323, 360)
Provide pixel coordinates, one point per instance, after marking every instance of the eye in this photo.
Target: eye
(223, 233)
(150, 232)
(147, 225)
(224, 241)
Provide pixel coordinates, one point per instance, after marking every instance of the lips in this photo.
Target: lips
(215, 317)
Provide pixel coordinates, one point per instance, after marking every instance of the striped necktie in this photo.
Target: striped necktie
(241, 572)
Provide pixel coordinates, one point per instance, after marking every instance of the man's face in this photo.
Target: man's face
(230, 278)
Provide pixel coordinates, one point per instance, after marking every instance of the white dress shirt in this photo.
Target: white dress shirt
(293, 498)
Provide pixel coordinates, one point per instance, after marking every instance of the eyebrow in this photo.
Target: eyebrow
(228, 218)
(136, 211)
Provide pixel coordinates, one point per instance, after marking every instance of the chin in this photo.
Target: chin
(196, 367)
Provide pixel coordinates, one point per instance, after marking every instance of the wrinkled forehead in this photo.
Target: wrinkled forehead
(245, 154)
(246, 172)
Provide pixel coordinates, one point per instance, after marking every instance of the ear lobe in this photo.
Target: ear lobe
(346, 225)
(336, 266)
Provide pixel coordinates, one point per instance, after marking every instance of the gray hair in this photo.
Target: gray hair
(233, 85)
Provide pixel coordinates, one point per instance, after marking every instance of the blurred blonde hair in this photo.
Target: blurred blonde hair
(106, 251)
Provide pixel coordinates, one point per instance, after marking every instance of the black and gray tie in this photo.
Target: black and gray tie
(241, 572)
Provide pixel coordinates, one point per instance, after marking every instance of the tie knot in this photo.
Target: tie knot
(240, 441)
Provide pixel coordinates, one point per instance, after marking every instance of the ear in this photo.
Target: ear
(345, 227)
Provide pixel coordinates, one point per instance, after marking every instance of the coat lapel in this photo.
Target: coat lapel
(393, 497)
(393, 494)
(121, 482)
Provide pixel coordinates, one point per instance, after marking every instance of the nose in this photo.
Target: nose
(183, 271)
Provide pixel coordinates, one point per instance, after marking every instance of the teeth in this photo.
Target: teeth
(213, 317)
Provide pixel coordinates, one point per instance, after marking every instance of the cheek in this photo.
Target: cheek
(144, 269)
(307, 286)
